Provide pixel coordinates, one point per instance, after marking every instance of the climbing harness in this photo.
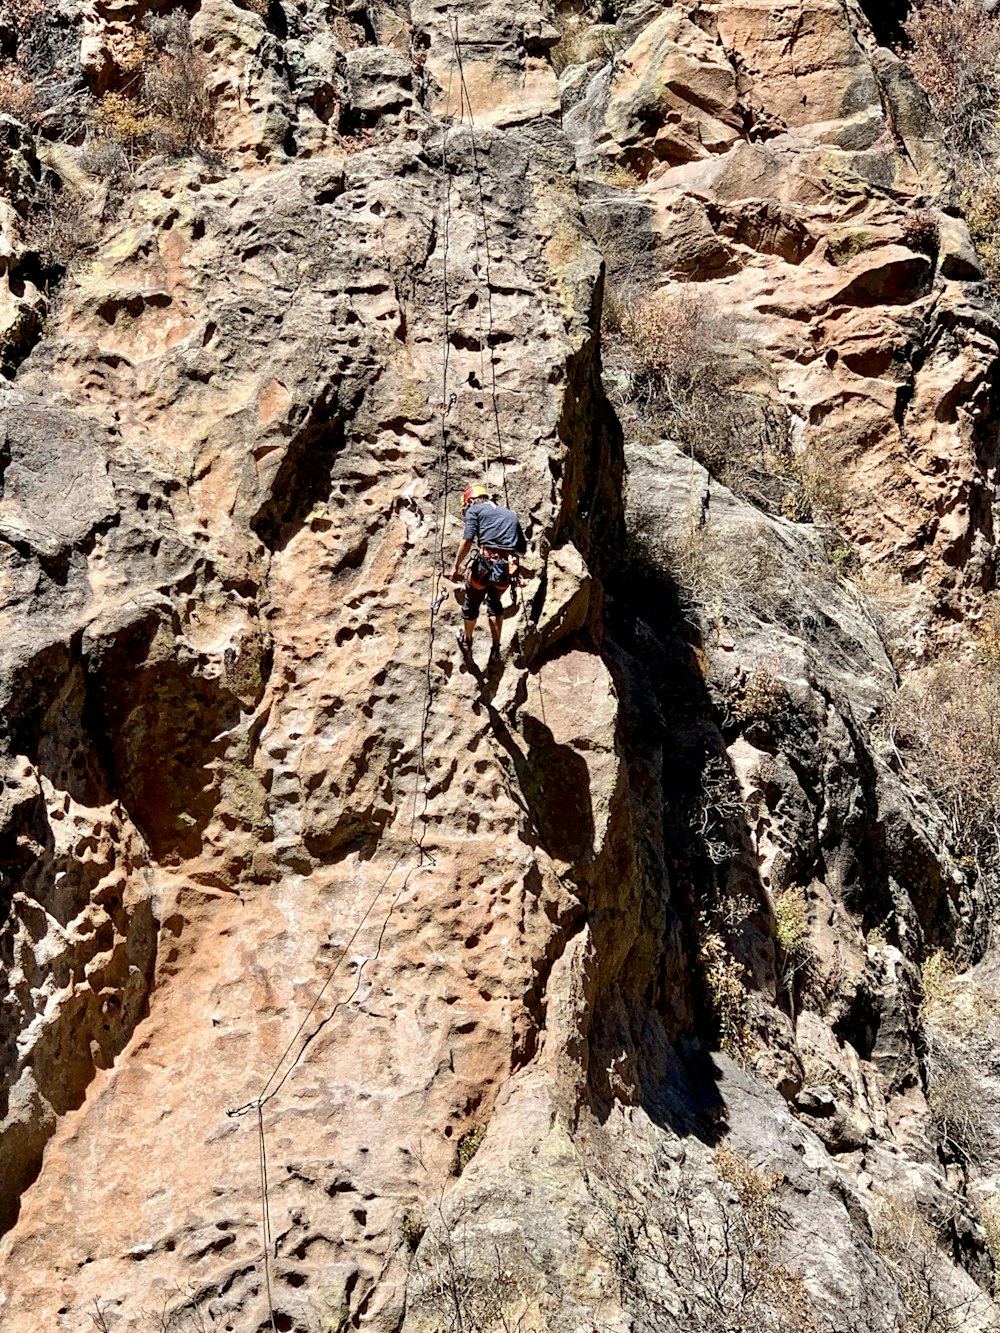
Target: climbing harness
(493, 568)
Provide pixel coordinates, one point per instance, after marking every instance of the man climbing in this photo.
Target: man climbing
(496, 534)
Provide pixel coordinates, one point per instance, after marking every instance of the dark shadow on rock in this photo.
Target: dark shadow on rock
(555, 785)
(887, 18)
(303, 479)
(158, 727)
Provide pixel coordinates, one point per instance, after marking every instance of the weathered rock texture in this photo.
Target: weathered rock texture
(248, 784)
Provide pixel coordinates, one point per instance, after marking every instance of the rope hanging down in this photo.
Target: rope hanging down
(283, 1068)
(274, 1084)
(465, 104)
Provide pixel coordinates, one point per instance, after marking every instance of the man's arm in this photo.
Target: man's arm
(464, 547)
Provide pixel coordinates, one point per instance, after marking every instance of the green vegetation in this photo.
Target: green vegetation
(468, 1145)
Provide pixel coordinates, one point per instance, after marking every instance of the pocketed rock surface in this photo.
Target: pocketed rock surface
(267, 842)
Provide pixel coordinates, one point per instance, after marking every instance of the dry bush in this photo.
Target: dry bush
(173, 86)
(130, 50)
(622, 177)
(124, 120)
(461, 1283)
(921, 231)
(761, 697)
(17, 94)
(983, 217)
(708, 1258)
(723, 978)
(945, 726)
(57, 229)
(907, 1246)
(163, 106)
(20, 13)
(720, 810)
(956, 1024)
(791, 922)
(988, 1212)
(954, 52)
(817, 486)
(686, 378)
(937, 983)
(468, 1145)
(738, 579)
(955, 1099)
(585, 42)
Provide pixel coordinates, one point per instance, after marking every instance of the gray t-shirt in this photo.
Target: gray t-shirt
(492, 525)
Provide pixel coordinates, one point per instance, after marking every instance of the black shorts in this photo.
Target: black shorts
(474, 600)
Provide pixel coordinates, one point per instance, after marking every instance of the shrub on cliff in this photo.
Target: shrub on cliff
(162, 105)
(679, 373)
(945, 726)
(954, 52)
(693, 1254)
(907, 1245)
(686, 379)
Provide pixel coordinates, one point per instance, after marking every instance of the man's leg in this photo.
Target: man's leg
(494, 612)
(470, 613)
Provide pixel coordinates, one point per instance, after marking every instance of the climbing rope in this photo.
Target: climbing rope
(268, 1093)
(465, 104)
(301, 1038)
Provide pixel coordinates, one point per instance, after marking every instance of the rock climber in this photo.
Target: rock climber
(496, 534)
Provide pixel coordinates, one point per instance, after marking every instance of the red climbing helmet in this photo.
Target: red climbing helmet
(473, 493)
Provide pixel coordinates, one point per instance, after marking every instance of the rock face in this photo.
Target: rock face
(811, 220)
(461, 947)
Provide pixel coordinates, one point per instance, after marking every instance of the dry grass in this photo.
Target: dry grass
(937, 982)
(20, 13)
(757, 1190)
(983, 217)
(586, 42)
(126, 121)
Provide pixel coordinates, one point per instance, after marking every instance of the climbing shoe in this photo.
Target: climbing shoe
(464, 643)
(495, 658)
